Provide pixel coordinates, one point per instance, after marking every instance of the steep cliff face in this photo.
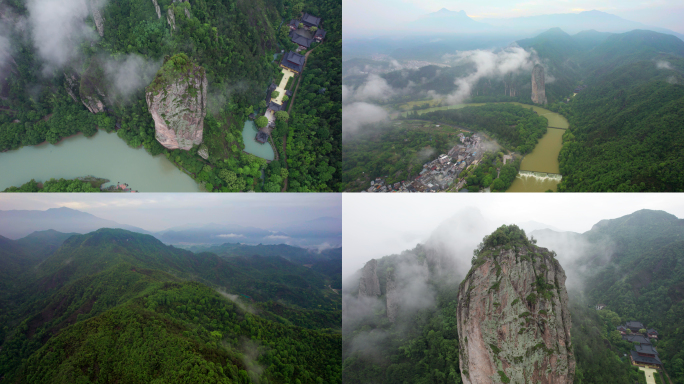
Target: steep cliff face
(156, 8)
(369, 285)
(177, 100)
(92, 87)
(538, 90)
(513, 317)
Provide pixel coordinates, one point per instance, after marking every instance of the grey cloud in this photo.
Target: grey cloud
(58, 28)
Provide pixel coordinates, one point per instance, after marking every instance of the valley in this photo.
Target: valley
(585, 84)
(100, 303)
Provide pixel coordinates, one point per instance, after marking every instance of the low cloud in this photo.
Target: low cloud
(277, 237)
(230, 235)
(359, 114)
(127, 75)
(662, 64)
(489, 64)
(58, 28)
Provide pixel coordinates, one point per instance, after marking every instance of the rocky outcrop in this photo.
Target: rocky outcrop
(177, 100)
(369, 285)
(538, 90)
(513, 317)
(203, 151)
(97, 17)
(92, 87)
(71, 84)
(156, 8)
(171, 19)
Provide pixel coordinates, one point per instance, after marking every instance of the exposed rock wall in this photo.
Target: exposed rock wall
(156, 8)
(538, 90)
(171, 19)
(177, 100)
(92, 87)
(71, 84)
(369, 285)
(513, 319)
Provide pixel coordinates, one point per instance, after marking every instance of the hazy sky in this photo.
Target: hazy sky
(376, 225)
(387, 14)
(158, 211)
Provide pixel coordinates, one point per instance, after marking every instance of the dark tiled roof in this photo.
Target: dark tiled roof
(293, 61)
(634, 324)
(320, 33)
(299, 39)
(294, 23)
(652, 331)
(621, 328)
(646, 348)
(636, 339)
(288, 93)
(261, 137)
(311, 20)
(645, 359)
(274, 106)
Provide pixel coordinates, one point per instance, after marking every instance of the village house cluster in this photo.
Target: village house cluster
(440, 173)
(644, 354)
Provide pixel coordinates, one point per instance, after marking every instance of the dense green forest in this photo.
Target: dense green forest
(643, 279)
(234, 42)
(514, 127)
(640, 279)
(54, 185)
(397, 151)
(80, 308)
(485, 173)
(626, 132)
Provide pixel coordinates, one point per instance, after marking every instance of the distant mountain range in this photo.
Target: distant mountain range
(453, 22)
(324, 232)
(16, 224)
(432, 35)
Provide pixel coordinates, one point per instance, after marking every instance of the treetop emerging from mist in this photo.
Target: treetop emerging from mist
(507, 235)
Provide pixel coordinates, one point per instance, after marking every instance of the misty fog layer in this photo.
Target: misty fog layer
(445, 257)
(361, 104)
(59, 29)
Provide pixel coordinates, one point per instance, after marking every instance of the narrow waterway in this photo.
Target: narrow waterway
(102, 155)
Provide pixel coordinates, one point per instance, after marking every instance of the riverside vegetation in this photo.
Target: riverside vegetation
(114, 305)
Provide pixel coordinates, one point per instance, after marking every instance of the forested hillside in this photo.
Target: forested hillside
(626, 131)
(233, 41)
(112, 299)
(633, 265)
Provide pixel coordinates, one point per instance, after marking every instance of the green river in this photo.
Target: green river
(103, 155)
